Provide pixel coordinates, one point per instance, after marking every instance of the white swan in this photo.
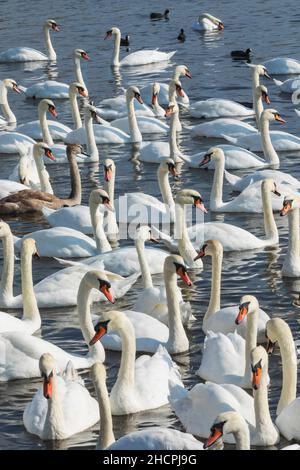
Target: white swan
(198, 407)
(222, 320)
(153, 438)
(51, 412)
(38, 129)
(10, 142)
(150, 332)
(226, 358)
(26, 54)
(240, 183)
(250, 200)
(57, 90)
(288, 86)
(291, 264)
(130, 393)
(278, 331)
(8, 116)
(280, 141)
(142, 57)
(223, 126)
(157, 109)
(282, 65)
(20, 352)
(31, 320)
(229, 422)
(207, 22)
(69, 243)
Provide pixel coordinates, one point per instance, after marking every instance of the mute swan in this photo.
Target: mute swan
(8, 116)
(217, 319)
(31, 320)
(50, 414)
(37, 129)
(278, 331)
(157, 109)
(291, 264)
(57, 90)
(69, 243)
(26, 54)
(218, 128)
(240, 183)
(198, 407)
(282, 65)
(10, 142)
(207, 22)
(110, 221)
(218, 107)
(20, 352)
(142, 57)
(153, 300)
(229, 422)
(288, 86)
(280, 141)
(250, 200)
(226, 358)
(153, 438)
(30, 201)
(130, 393)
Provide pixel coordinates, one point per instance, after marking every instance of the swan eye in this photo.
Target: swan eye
(105, 200)
(103, 283)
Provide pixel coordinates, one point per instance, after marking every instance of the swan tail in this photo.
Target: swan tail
(186, 312)
(67, 262)
(47, 211)
(231, 179)
(123, 286)
(277, 82)
(232, 140)
(71, 374)
(170, 55)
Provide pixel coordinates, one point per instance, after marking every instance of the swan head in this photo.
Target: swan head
(175, 84)
(81, 54)
(29, 246)
(271, 115)
(47, 367)
(98, 280)
(190, 196)
(11, 84)
(210, 248)
(98, 198)
(41, 149)
(133, 92)
(113, 320)
(109, 169)
(259, 366)
(172, 108)
(248, 306)
(182, 70)
(269, 185)
(260, 69)
(214, 153)
(229, 422)
(72, 151)
(77, 87)
(4, 229)
(213, 19)
(261, 91)
(174, 264)
(168, 166)
(110, 32)
(290, 202)
(144, 234)
(277, 330)
(51, 24)
(155, 92)
(48, 105)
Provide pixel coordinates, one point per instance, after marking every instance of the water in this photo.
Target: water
(271, 29)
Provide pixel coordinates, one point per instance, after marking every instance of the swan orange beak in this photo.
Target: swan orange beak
(169, 111)
(83, 92)
(188, 74)
(256, 377)
(221, 26)
(215, 435)
(56, 28)
(201, 253)
(199, 205)
(53, 111)
(270, 346)
(138, 98)
(16, 88)
(101, 330)
(287, 205)
(108, 34)
(206, 160)
(243, 311)
(173, 171)
(154, 240)
(179, 91)
(279, 119)
(181, 271)
(85, 56)
(105, 290)
(107, 174)
(50, 155)
(266, 98)
(47, 387)
(154, 100)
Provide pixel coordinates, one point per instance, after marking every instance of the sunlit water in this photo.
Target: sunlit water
(271, 29)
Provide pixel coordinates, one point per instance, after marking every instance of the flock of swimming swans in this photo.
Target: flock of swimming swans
(230, 404)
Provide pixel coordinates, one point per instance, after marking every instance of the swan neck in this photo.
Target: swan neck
(216, 195)
(78, 72)
(145, 270)
(177, 341)
(106, 434)
(186, 249)
(75, 110)
(42, 173)
(271, 231)
(126, 375)
(98, 230)
(289, 369)
(6, 284)
(267, 146)
(75, 195)
(294, 237)
(50, 50)
(6, 110)
(44, 126)
(165, 188)
(54, 422)
(116, 50)
(173, 135)
(30, 307)
(215, 291)
(90, 136)
(264, 424)
(134, 131)
(242, 438)
(251, 342)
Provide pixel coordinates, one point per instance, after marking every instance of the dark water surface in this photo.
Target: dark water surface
(270, 28)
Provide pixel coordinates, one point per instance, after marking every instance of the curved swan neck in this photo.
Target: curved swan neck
(42, 172)
(263, 420)
(30, 307)
(50, 50)
(6, 110)
(90, 137)
(85, 320)
(173, 135)
(242, 438)
(186, 249)
(44, 125)
(216, 194)
(177, 341)
(215, 291)
(106, 434)
(75, 195)
(255, 84)
(6, 284)
(126, 374)
(134, 131)
(74, 109)
(289, 368)
(78, 72)
(54, 422)
(145, 270)
(164, 186)
(258, 109)
(99, 234)
(269, 221)
(294, 238)
(267, 146)
(251, 341)
(110, 221)
(116, 51)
